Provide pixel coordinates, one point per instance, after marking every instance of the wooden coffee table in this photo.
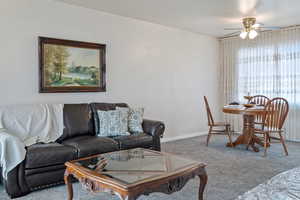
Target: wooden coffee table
(132, 173)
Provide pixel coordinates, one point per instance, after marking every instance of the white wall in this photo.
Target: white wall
(163, 69)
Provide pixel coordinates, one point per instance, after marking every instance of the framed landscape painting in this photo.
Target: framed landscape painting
(71, 66)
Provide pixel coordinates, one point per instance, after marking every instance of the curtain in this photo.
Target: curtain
(268, 65)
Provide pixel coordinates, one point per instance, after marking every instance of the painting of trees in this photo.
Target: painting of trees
(60, 61)
(48, 63)
(55, 62)
(71, 66)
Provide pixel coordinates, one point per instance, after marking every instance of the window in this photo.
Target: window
(271, 70)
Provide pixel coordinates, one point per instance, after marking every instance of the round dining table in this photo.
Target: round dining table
(249, 115)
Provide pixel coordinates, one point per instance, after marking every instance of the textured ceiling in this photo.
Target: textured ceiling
(201, 16)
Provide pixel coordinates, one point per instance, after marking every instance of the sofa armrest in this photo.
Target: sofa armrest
(153, 128)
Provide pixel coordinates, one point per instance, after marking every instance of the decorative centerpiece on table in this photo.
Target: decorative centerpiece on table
(248, 97)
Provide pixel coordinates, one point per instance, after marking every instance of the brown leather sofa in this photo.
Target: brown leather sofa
(44, 163)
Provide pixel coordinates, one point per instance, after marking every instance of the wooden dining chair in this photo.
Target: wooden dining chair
(260, 100)
(273, 119)
(217, 128)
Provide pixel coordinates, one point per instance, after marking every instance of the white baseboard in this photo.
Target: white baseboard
(184, 136)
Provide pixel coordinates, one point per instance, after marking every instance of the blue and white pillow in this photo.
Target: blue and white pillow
(124, 114)
(112, 123)
(135, 119)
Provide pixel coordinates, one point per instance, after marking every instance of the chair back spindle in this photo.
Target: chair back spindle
(259, 100)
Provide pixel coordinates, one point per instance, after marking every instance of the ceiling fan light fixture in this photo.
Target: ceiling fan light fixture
(252, 34)
(243, 34)
(250, 28)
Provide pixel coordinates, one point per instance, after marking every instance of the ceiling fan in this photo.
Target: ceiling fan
(250, 28)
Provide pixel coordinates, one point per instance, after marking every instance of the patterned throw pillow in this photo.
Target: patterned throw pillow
(124, 114)
(135, 119)
(111, 123)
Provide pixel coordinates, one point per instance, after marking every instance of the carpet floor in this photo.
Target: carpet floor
(231, 171)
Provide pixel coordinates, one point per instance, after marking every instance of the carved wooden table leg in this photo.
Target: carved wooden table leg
(68, 182)
(248, 128)
(248, 131)
(257, 140)
(203, 182)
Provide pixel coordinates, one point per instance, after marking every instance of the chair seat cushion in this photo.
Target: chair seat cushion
(133, 141)
(91, 145)
(44, 155)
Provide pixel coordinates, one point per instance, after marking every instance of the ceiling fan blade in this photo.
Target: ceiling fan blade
(232, 29)
(270, 27)
(257, 25)
(231, 34)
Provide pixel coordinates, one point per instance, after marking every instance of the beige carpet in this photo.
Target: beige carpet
(231, 171)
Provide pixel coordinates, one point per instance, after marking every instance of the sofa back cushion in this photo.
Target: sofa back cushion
(77, 120)
(103, 107)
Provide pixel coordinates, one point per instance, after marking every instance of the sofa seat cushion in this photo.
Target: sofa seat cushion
(44, 155)
(91, 145)
(133, 141)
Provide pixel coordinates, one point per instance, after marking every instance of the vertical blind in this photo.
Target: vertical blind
(268, 65)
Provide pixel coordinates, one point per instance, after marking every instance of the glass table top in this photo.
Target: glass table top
(135, 165)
